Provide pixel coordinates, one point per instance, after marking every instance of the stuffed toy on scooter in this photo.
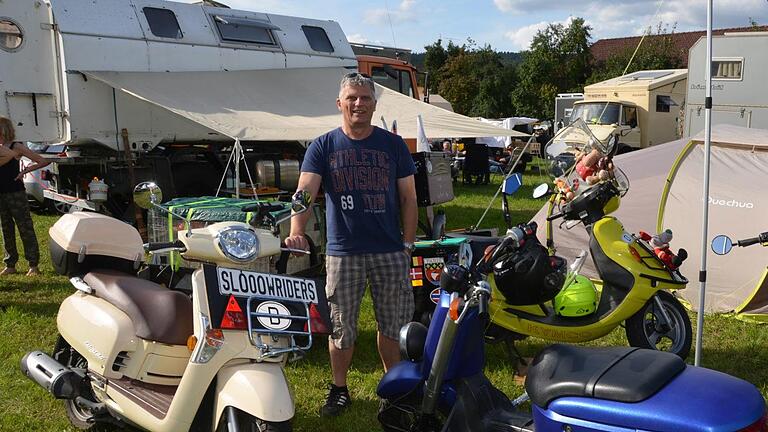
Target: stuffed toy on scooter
(660, 244)
(594, 167)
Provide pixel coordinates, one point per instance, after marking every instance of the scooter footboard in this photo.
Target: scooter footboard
(259, 389)
(482, 407)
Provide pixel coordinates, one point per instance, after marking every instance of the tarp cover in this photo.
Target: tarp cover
(507, 123)
(738, 208)
(216, 209)
(283, 104)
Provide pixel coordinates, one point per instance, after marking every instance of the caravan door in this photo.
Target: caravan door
(30, 71)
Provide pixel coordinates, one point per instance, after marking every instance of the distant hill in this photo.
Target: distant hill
(417, 59)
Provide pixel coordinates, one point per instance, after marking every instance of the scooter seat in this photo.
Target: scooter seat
(620, 374)
(158, 314)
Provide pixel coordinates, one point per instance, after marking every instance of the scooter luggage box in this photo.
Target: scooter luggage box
(427, 264)
(434, 184)
(696, 400)
(80, 242)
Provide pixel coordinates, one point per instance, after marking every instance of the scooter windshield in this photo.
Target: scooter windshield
(578, 160)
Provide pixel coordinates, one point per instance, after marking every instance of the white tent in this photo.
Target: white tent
(292, 104)
(502, 141)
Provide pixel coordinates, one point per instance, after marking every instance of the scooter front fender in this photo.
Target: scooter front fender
(259, 389)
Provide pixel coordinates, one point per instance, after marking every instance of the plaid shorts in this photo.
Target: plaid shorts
(391, 291)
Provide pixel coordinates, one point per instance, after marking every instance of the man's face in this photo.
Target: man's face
(357, 105)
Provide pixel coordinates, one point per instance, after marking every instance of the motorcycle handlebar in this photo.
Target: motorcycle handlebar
(762, 238)
(156, 246)
(554, 216)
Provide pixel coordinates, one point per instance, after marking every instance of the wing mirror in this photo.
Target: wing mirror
(542, 190)
(512, 184)
(147, 195)
(300, 203)
(722, 244)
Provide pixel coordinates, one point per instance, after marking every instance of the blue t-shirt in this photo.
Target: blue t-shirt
(360, 183)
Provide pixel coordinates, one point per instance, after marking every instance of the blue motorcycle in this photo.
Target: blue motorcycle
(440, 384)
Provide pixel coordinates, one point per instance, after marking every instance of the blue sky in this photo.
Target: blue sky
(507, 25)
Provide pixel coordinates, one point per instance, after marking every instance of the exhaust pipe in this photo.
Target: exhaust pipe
(61, 381)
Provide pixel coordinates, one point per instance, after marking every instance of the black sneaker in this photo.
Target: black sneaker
(338, 399)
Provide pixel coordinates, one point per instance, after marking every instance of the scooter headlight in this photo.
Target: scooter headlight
(238, 244)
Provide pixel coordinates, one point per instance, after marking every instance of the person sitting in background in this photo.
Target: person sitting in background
(447, 147)
(14, 208)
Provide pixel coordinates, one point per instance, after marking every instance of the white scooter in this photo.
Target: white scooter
(134, 353)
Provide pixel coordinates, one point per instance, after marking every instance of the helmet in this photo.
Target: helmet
(527, 275)
(577, 299)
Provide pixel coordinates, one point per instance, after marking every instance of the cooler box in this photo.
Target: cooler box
(427, 263)
(434, 184)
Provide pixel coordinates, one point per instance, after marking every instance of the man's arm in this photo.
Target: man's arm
(309, 182)
(409, 212)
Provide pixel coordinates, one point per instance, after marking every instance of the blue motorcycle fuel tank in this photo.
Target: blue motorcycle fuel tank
(696, 400)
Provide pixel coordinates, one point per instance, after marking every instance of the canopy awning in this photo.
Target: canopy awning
(283, 104)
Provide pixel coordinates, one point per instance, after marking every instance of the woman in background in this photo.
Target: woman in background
(14, 209)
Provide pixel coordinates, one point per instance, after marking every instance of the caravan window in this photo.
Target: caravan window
(11, 36)
(727, 69)
(245, 30)
(663, 103)
(163, 23)
(317, 38)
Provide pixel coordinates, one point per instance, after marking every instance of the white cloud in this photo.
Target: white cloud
(522, 37)
(621, 18)
(358, 38)
(407, 5)
(405, 12)
(504, 5)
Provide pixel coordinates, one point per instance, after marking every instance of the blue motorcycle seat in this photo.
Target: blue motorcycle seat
(620, 374)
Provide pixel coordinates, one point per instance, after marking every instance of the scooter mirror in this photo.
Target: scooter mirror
(541, 190)
(512, 184)
(722, 244)
(300, 201)
(147, 194)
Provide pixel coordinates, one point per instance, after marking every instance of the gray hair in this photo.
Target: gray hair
(357, 79)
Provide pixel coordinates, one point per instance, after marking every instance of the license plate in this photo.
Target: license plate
(243, 283)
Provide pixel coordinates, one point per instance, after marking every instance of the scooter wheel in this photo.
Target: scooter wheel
(247, 422)
(647, 328)
(81, 418)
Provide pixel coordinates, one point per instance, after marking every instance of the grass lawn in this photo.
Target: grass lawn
(28, 314)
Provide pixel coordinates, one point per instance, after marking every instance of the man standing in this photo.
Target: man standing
(367, 174)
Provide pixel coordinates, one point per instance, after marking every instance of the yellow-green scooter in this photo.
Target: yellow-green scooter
(634, 286)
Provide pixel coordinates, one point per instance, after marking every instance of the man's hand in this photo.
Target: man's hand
(297, 242)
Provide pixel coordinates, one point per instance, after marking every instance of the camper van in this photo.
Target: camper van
(739, 93)
(564, 107)
(167, 89)
(638, 110)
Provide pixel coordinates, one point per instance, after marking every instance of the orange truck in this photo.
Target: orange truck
(392, 68)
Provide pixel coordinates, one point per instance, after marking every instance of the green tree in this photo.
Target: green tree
(558, 61)
(435, 57)
(476, 81)
(657, 51)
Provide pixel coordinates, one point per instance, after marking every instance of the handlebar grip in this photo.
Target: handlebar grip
(748, 242)
(482, 307)
(554, 216)
(151, 247)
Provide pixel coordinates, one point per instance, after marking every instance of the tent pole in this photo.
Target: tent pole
(705, 198)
